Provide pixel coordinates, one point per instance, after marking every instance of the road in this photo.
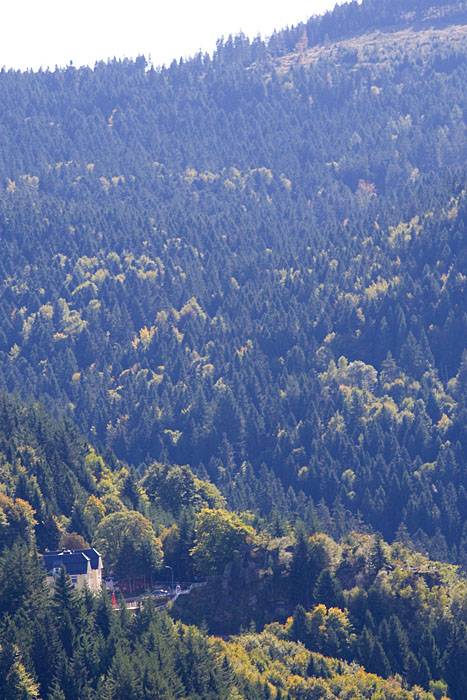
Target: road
(134, 603)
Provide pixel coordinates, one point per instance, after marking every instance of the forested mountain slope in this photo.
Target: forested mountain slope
(77, 647)
(331, 613)
(254, 263)
(239, 283)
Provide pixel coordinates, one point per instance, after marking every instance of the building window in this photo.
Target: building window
(74, 580)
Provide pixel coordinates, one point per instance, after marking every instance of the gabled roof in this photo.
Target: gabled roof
(74, 562)
(93, 555)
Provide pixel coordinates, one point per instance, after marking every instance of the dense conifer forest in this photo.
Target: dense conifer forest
(233, 343)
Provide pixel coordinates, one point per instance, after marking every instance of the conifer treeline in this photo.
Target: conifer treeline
(357, 602)
(253, 265)
(251, 271)
(59, 644)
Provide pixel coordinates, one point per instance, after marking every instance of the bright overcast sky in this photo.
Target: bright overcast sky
(35, 33)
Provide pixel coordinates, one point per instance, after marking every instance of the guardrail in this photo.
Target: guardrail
(136, 603)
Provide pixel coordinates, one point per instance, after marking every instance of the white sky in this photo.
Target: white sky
(35, 33)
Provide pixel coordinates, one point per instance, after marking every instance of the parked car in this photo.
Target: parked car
(159, 592)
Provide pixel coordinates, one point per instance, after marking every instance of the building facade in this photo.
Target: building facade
(84, 566)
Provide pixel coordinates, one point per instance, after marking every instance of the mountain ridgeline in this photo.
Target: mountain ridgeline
(252, 264)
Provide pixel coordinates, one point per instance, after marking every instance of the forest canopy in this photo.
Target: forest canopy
(232, 345)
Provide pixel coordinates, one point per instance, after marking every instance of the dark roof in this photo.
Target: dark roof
(91, 554)
(74, 562)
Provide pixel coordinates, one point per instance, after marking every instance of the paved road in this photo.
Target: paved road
(134, 603)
